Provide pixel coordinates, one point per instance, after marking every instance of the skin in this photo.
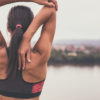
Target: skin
(36, 70)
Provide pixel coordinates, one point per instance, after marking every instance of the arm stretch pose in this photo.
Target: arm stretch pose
(25, 48)
(27, 84)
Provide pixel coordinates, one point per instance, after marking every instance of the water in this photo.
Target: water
(72, 83)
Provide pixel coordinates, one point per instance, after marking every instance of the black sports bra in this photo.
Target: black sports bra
(19, 88)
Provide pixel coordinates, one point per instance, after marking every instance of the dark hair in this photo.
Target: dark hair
(17, 15)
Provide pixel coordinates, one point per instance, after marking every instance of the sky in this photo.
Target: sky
(76, 19)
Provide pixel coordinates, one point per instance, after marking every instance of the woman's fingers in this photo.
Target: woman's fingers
(50, 4)
(55, 3)
(29, 55)
(23, 60)
(24, 49)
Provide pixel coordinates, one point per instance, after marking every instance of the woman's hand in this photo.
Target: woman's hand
(51, 3)
(44, 2)
(24, 49)
(55, 3)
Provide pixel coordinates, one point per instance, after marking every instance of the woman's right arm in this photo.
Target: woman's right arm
(47, 18)
(42, 49)
(44, 44)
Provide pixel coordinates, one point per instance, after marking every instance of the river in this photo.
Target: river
(72, 83)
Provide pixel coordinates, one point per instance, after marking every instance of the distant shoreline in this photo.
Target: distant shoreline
(73, 64)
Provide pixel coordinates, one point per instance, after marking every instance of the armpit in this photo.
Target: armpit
(34, 50)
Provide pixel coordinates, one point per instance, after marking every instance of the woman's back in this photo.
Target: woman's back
(33, 73)
(16, 83)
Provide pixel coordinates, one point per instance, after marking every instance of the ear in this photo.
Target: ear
(2, 41)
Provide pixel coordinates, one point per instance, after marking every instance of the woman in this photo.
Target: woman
(25, 47)
(28, 83)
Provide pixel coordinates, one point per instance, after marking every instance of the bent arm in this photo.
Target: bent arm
(4, 2)
(44, 43)
(47, 18)
(48, 30)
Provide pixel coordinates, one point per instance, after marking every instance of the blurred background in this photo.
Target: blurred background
(74, 65)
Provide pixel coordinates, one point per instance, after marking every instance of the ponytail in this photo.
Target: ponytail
(13, 52)
(19, 19)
